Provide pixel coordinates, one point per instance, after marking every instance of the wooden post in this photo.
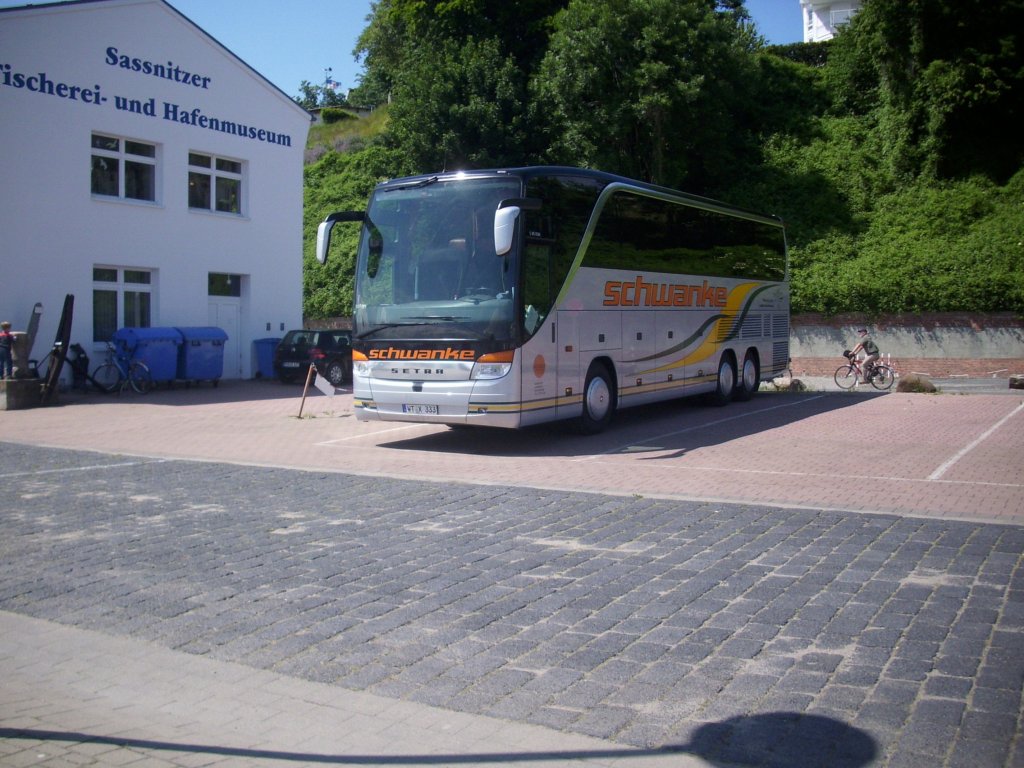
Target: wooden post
(305, 389)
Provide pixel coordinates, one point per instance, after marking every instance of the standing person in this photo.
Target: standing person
(6, 350)
(870, 350)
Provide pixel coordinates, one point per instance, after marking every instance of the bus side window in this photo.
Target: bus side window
(536, 285)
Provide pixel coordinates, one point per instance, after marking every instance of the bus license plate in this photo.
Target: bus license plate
(420, 410)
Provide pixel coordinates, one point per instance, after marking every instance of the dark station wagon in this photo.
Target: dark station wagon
(329, 350)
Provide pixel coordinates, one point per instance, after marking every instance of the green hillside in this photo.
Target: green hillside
(893, 152)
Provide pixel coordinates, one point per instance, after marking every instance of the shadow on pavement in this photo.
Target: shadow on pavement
(204, 393)
(676, 426)
(773, 740)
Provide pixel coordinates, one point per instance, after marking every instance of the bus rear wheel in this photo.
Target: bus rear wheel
(598, 400)
(750, 377)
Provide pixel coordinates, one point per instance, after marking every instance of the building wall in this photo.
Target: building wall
(71, 71)
(934, 344)
(823, 18)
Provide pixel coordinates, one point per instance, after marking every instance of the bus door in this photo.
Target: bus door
(569, 377)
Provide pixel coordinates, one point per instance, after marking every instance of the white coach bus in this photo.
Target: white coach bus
(518, 296)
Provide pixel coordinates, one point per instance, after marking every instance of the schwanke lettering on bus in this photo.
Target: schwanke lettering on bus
(639, 293)
(421, 354)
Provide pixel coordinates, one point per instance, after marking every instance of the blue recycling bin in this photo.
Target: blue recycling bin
(265, 349)
(156, 347)
(201, 354)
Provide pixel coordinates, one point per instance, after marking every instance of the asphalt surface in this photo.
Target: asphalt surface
(157, 610)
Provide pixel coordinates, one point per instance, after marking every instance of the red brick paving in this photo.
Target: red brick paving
(946, 456)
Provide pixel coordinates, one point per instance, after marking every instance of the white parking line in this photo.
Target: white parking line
(938, 473)
(90, 468)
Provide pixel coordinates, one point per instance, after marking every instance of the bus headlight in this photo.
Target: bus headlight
(493, 366)
(360, 365)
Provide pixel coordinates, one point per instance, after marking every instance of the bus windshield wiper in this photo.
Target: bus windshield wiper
(412, 185)
(381, 327)
(434, 318)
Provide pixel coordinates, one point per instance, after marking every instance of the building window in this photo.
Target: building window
(224, 285)
(214, 183)
(841, 17)
(123, 168)
(121, 298)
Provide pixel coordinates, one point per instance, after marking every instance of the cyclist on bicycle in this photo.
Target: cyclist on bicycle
(870, 350)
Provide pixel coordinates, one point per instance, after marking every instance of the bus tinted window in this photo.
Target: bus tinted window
(553, 236)
(637, 232)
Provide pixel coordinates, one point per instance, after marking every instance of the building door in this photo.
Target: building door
(225, 309)
(226, 313)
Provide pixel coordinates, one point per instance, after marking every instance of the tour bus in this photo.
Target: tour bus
(517, 296)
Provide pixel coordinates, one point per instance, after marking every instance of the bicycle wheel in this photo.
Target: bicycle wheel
(846, 377)
(140, 378)
(882, 377)
(107, 377)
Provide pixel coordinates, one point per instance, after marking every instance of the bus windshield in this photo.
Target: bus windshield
(427, 266)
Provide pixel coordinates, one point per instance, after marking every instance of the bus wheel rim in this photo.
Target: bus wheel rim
(598, 398)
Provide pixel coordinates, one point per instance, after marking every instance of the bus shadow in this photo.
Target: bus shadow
(770, 740)
(676, 426)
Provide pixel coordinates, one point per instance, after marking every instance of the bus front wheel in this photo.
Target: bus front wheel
(598, 400)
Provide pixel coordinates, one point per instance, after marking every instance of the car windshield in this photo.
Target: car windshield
(296, 338)
(322, 339)
(427, 267)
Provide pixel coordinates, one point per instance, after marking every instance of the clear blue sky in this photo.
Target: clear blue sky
(288, 41)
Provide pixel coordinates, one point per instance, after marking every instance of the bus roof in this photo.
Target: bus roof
(528, 172)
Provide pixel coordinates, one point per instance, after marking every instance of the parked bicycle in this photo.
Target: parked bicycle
(848, 376)
(120, 372)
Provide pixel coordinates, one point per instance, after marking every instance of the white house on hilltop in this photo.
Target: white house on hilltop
(149, 172)
(822, 18)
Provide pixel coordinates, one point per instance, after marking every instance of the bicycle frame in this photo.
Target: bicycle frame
(848, 376)
(121, 371)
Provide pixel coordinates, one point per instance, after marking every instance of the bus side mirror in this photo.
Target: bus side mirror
(323, 240)
(505, 221)
(504, 229)
(323, 231)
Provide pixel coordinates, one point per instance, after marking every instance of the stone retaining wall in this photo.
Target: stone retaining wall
(936, 345)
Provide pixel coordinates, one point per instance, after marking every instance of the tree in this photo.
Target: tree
(317, 96)
(646, 88)
(948, 77)
(460, 105)
(456, 73)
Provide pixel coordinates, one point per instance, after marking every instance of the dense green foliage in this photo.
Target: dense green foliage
(893, 152)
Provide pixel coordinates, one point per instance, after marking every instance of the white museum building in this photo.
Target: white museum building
(149, 172)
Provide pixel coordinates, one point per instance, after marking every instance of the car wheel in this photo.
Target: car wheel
(335, 373)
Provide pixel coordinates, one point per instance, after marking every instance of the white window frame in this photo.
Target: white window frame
(840, 17)
(218, 170)
(122, 287)
(124, 155)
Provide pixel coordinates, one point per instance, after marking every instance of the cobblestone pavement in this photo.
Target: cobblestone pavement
(733, 634)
